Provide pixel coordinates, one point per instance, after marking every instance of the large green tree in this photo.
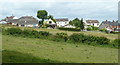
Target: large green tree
(82, 24)
(77, 23)
(42, 14)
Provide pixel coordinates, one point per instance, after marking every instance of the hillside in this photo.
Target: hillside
(30, 50)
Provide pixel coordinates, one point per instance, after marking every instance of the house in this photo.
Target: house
(94, 23)
(28, 21)
(49, 21)
(3, 22)
(111, 26)
(10, 20)
(62, 22)
(69, 26)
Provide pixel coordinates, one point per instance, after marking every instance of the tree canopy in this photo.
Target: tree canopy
(42, 14)
(77, 23)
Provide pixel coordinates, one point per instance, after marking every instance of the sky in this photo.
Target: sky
(87, 9)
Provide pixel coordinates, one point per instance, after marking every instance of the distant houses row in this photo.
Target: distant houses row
(30, 21)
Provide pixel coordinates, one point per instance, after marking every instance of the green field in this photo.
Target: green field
(54, 31)
(30, 50)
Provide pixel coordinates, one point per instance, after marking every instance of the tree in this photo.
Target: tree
(82, 24)
(77, 23)
(42, 14)
(52, 18)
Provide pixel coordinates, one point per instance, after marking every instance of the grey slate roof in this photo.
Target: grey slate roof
(108, 23)
(92, 21)
(25, 20)
(111, 23)
(62, 19)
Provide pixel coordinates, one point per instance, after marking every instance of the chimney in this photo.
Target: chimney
(106, 21)
(113, 21)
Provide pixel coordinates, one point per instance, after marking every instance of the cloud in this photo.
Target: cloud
(88, 9)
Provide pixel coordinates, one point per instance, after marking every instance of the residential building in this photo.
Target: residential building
(28, 21)
(111, 26)
(94, 23)
(62, 22)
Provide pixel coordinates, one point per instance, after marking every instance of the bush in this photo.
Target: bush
(27, 33)
(102, 40)
(89, 29)
(88, 39)
(117, 42)
(61, 37)
(44, 33)
(13, 31)
(76, 37)
(69, 29)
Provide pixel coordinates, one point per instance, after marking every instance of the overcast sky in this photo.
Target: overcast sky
(87, 9)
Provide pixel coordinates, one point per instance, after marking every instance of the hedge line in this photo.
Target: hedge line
(61, 37)
(69, 29)
(26, 33)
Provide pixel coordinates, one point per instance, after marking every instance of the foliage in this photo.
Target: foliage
(102, 30)
(89, 29)
(61, 37)
(13, 31)
(27, 33)
(81, 24)
(117, 42)
(94, 28)
(88, 39)
(42, 14)
(69, 29)
(77, 23)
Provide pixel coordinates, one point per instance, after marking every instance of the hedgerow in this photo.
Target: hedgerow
(76, 38)
(62, 37)
(69, 29)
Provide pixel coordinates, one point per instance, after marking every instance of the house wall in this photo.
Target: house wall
(62, 23)
(93, 24)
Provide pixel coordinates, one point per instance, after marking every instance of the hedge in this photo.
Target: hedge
(69, 29)
(26, 33)
(88, 39)
(61, 37)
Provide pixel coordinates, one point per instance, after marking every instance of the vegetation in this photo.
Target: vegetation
(77, 23)
(89, 39)
(69, 29)
(54, 31)
(60, 37)
(31, 50)
(42, 14)
(92, 28)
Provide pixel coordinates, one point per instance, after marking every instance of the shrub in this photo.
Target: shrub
(76, 37)
(102, 40)
(26, 33)
(88, 39)
(89, 29)
(117, 42)
(61, 37)
(44, 33)
(70, 29)
(14, 31)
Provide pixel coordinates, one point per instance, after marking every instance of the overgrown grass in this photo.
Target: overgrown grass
(54, 31)
(29, 50)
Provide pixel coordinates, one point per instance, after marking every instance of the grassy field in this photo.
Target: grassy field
(54, 31)
(29, 50)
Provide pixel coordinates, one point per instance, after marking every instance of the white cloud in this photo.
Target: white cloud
(89, 9)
